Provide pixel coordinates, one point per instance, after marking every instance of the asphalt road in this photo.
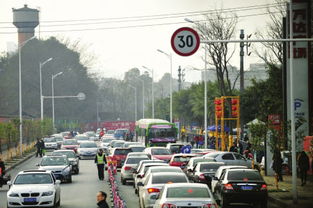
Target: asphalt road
(82, 192)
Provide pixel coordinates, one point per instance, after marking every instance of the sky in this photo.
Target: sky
(110, 32)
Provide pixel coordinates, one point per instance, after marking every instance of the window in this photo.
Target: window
(54, 161)
(228, 156)
(209, 167)
(160, 152)
(69, 154)
(135, 160)
(33, 179)
(187, 192)
(244, 175)
(239, 157)
(122, 151)
(163, 179)
(88, 145)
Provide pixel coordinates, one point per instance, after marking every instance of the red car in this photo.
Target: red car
(70, 144)
(180, 160)
(119, 155)
(159, 153)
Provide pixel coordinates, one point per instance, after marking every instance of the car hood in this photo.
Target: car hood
(53, 168)
(162, 157)
(31, 188)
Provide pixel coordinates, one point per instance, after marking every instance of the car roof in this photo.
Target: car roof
(167, 167)
(171, 185)
(63, 151)
(34, 171)
(216, 163)
(168, 174)
(233, 167)
(243, 170)
(156, 164)
(48, 156)
(184, 154)
(137, 156)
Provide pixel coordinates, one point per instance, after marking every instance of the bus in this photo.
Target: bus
(155, 132)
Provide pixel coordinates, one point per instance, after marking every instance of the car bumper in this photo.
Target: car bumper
(245, 197)
(128, 176)
(46, 201)
(87, 157)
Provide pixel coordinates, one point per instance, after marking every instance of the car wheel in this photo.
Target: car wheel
(123, 181)
(223, 202)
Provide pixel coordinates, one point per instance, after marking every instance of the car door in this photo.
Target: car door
(193, 175)
(219, 185)
(228, 158)
(240, 160)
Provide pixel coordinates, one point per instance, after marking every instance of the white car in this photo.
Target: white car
(130, 166)
(87, 150)
(50, 143)
(185, 195)
(37, 188)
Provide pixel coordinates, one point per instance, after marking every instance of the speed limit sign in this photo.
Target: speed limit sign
(185, 41)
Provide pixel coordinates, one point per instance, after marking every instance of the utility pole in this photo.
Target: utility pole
(242, 78)
(179, 78)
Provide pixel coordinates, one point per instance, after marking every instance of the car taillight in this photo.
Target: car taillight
(264, 187)
(210, 206)
(167, 205)
(153, 190)
(201, 176)
(174, 163)
(228, 186)
(127, 168)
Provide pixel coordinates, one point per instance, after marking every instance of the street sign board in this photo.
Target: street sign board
(185, 41)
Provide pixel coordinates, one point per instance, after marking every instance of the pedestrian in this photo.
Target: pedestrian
(277, 165)
(304, 165)
(42, 148)
(38, 146)
(2, 172)
(233, 148)
(101, 200)
(100, 161)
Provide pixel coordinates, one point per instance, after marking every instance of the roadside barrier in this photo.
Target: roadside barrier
(116, 200)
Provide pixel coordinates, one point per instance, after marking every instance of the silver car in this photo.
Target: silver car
(153, 185)
(129, 167)
(87, 150)
(50, 143)
(185, 195)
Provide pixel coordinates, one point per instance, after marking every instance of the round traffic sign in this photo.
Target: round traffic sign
(185, 41)
(81, 96)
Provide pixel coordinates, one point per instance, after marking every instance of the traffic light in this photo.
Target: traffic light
(235, 107)
(218, 107)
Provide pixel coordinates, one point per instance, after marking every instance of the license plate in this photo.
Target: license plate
(246, 187)
(30, 200)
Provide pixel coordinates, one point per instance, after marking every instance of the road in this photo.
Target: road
(82, 192)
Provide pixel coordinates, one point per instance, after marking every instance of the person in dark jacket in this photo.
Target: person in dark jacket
(2, 172)
(101, 200)
(277, 164)
(38, 145)
(304, 165)
(100, 161)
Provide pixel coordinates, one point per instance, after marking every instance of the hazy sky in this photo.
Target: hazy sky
(119, 49)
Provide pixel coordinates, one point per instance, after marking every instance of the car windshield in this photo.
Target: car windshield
(160, 151)
(33, 178)
(209, 167)
(52, 139)
(110, 132)
(163, 179)
(70, 142)
(80, 138)
(187, 192)
(159, 170)
(53, 161)
(58, 139)
(241, 175)
(176, 148)
(107, 140)
(88, 145)
(137, 149)
(69, 154)
(122, 151)
(91, 134)
(135, 160)
(182, 158)
(118, 144)
(148, 166)
(161, 132)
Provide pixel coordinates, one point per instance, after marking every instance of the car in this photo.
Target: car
(204, 172)
(153, 184)
(175, 148)
(137, 148)
(80, 138)
(112, 143)
(118, 144)
(59, 141)
(87, 150)
(92, 135)
(70, 144)
(50, 143)
(74, 160)
(138, 154)
(202, 151)
(231, 158)
(162, 169)
(159, 153)
(192, 163)
(140, 174)
(59, 165)
(141, 163)
(221, 171)
(121, 133)
(181, 159)
(119, 155)
(34, 188)
(105, 142)
(127, 144)
(185, 195)
(241, 186)
(130, 166)
(110, 133)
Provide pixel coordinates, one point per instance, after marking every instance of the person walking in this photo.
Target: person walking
(2, 172)
(42, 148)
(304, 165)
(38, 146)
(277, 165)
(100, 161)
(101, 200)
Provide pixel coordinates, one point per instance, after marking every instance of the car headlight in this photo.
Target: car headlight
(47, 193)
(13, 195)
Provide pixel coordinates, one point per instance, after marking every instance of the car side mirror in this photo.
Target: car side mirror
(139, 176)
(58, 182)
(140, 184)
(9, 183)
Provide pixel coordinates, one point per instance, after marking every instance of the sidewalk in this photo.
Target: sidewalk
(9, 165)
(283, 196)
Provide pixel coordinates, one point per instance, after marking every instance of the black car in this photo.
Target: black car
(241, 186)
(205, 171)
(71, 156)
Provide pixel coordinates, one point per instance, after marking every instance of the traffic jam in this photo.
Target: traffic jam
(162, 174)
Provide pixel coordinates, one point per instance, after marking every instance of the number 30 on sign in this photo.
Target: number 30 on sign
(185, 41)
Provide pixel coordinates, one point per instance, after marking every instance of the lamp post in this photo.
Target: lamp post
(52, 88)
(135, 89)
(41, 64)
(20, 90)
(143, 96)
(152, 88)
(171, 82)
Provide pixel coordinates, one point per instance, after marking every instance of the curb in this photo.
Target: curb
(276, 201)
(20, 161)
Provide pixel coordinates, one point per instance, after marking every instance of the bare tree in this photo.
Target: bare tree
(219, 26)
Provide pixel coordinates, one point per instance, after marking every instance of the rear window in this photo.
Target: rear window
(160, 152)
(176, 148)
(70, 142)
(187, 192)
(159, 170)
(163, 179)
(135, 160)
(244, 175)
(88, 145)
(122, 151)
(138, 149)
(209, 167)
(181, 158)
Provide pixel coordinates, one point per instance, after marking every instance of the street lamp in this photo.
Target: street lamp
(152, 88)
(143, 96)
(134, 88)
(20, 46)
(171, 83)
(52, 89)
(41, 64)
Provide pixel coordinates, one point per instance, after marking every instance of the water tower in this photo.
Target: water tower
(25, 19)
